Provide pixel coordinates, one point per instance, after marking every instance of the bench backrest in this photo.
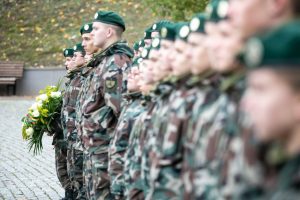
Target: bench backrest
(11, 69)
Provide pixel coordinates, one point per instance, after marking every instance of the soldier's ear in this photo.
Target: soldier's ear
(109, 32)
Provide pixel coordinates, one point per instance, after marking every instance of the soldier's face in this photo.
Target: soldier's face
(133, 79)
(67, 61)
(251, 16)
(272, 104)
(223, 54)
(88, 43)
(197, 53)
(100, 34)
(154, 34)
(147, 42)
(213, 41)
(155, 57)
(78, 59)
(71, 65)
(147, 71)
(140, 50)
(166, 50)
(180, 64)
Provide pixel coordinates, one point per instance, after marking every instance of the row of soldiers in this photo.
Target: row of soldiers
(204, 109)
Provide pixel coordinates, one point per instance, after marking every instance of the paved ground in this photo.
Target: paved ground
(22, 175)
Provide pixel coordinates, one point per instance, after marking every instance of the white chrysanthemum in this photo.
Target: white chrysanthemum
(55, 94)
(29, 131)
(34, 107)
(40, 103)
(42, 97)
(35, 113)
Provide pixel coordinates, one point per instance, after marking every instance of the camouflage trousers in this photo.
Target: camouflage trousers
(75, 171)
(61, 164)
(96, 178)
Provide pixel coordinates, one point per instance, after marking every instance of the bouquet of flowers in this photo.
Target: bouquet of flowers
(41, 116)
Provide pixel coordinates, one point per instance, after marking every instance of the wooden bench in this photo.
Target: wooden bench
(9, 73)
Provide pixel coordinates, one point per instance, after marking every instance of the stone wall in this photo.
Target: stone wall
(35, 79)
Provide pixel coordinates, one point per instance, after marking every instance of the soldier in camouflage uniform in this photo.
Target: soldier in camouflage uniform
(134, 184)
(272, 101)
(101, 99)
(85, 75)
(242, 168)
(160, 182)
(74, 157)
(160, 107)
(131, 110)
(59, 142)
(167, 165)
(222, 139)
(201, 157)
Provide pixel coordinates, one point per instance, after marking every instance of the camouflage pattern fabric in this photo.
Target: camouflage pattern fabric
(74, 157)
(165, 180)
(157, 123)
(134, 184)
(203, 115)
(131, 110)
(61, 167)
(100, 110)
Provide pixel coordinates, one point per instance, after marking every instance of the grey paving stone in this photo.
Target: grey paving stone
(22, 175)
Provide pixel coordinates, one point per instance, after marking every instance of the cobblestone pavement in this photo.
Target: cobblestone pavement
(22, 175)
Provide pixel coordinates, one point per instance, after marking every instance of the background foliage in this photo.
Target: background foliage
(36, 31)
(176, 9)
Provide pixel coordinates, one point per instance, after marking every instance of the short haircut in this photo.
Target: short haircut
(119, 31)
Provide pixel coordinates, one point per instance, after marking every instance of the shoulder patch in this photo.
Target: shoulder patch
(110, 83)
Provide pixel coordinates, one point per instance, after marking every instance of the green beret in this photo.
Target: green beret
(68, 52)
(147, 34)
(146, 52)
(78, 48)
(182, 31)
(197, 24)
(217, 10)
(168, 32)
(278, 48)
(109, 17)
(86, 28)
(155, 43)
(158, 25)
(136, 46)
(141, 43)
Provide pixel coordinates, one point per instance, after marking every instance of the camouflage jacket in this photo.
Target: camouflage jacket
(202, 116)
(134, 184)
(68, 112)
(132, 108)
(85, 79)
(239, 167)
(101, 98)
(280, 177)
(156, 124)
(218, 128)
